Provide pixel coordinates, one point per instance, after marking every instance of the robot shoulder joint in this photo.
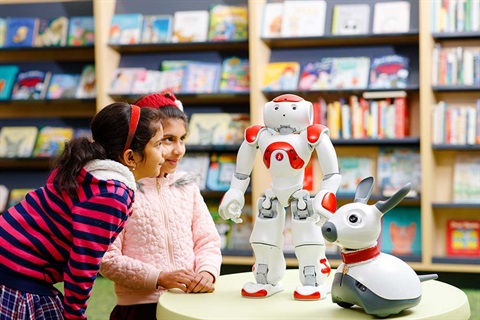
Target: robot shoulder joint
(314, 132)
(252, 133)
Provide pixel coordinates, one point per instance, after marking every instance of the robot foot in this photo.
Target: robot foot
(258, 290)
(311, 293)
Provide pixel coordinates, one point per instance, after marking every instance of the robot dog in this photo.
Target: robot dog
(378, 282)
(286, 142)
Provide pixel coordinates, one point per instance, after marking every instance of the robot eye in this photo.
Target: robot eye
(353, 218)
(294, 107)
(275, 107)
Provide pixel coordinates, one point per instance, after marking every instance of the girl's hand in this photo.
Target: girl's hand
(203, 283)
(181, 279)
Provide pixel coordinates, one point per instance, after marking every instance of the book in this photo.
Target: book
(391, 17)
(221, 170)
(17, 195)
(52, 32)
(235, 76)
(51, 141)
(281, 76)
(31, 85)
(272, 20)
(8, 75)
(463, 238)
(350, 73)
(401, 233)
(303, 18)
(353, 170)
(63, 86)
(87, 88)
(81, 31)
(82, 132)
(228, 23)
(17, 141)
(466, 178)
(147, 81)
(21, 32)
(217, 128)
(198, 163)
(316, 75)
(396, 167)
(190, 26)
(389, 72)
(3, 197)
(201, 77)
(3, 31)
(351, 19)
(123, 79)
(157, 28)
(172, 75)
(125, 28)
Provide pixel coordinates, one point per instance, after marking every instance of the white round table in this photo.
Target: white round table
(439, 301)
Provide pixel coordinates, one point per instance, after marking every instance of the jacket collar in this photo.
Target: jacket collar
(109, 169)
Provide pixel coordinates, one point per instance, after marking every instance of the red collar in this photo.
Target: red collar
(360, 255)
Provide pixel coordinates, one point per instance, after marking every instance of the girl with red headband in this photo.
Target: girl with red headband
(60, 232)
(170, 240)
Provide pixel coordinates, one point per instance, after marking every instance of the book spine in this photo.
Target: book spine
(401, 117)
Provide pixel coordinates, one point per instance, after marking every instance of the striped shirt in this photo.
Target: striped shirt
(50, 237)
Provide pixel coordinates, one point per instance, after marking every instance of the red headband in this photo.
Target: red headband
(134, 118)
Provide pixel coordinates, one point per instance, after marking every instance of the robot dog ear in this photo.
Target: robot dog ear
(364, 190)
(387, 205)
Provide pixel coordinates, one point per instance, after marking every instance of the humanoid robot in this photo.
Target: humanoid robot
(286, 142)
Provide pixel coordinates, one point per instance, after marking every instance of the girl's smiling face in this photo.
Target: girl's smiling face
(174, 135)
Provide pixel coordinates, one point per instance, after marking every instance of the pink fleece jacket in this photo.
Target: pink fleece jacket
(170, 229)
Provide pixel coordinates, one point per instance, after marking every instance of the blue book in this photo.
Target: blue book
(126, 28)
(157, 28)
(21, 32)
(201, 77)
(31, 85)
(402, 232)
(81, 31)
(63, 86)
(8, 74)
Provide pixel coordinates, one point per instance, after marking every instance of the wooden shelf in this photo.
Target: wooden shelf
(25, 163)
(467, 147)
(452, 205)
(455, 88)
(78, 108)
(410, 141)
(74, 54)
(467, 35)
(220, 46)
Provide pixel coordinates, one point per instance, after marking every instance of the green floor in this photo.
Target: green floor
(103, 300)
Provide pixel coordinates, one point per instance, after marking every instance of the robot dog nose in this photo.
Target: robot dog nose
(329, 231)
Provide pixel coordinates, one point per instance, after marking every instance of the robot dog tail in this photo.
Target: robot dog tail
(426, 277)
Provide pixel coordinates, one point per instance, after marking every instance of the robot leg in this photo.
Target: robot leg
(267, 242)
(310, 251)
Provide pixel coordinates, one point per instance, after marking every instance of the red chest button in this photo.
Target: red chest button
(295, 161)
(279, 157)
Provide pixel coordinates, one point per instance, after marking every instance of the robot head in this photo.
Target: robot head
(288, 112)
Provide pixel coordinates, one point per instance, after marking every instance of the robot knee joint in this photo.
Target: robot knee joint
(309, 276)
(302, 214)
(267, 212)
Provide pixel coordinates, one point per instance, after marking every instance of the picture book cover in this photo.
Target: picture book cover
(17, 195)
(281, 76)
(157, 28)
(81, 31)
(353, 170)
(190, 26)
(396, 167)
(123, 79)
(466, 178)
(402, 232)
(52, 32)
(222, 168)
(63, 86)
(463, 238)
(8, 75)
(21, 32)
(391, 17)
(171, 80)
(350, 73)
(303, 18)
(272, 20)
(228, 23)
(217, 128)
(235, 75)
(316, 75)
(51, 141)
(351, 19)
(198, 163)
(174, 64)
(125, 28)
(147, 81)
(201, 77)
(3, 31)
(17, 141)
(4, 192)
(31, 85)
(87, 88)
(389, 72)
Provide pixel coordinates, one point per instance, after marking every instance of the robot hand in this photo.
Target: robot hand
(234, 200)
(325, 205)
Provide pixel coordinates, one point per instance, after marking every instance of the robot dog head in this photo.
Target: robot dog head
(357, 225)
(288, 111)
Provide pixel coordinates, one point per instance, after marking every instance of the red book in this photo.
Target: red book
(463, 238)
(402, 117)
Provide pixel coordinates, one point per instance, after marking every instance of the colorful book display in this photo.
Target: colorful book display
(8, 75)
(350, 73)
(31, 85)
(235, 75)
(51, 141)
(389, 72)
(81, 31)
(52, 32)
(353, 170)
(351, 19)
(201, 77)
(228, 23)
(466, 179)
(126, 28)
(190, 26)
(17, 142)
(463, 238)
(217, 128)
(272, 20)
(281, 76)
(316, 75)
(20, 32)
(157, 28)
(222, 168)
(87, 87)
(63, 86)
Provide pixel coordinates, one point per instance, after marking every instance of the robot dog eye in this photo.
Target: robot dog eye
(353, 218)
(276, 107)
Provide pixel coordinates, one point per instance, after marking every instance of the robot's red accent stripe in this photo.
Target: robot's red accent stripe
(314, 131)
(295, 161)
(259, 294)
(360, 255)
(313, 296)
(288, 98)
(327, 268)
(329, 202)
(252, 132)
